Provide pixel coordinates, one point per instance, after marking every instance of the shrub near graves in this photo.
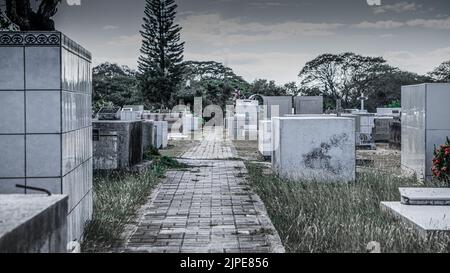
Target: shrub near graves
(441, 162)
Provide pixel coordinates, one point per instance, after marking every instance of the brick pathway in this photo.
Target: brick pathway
(208, 208)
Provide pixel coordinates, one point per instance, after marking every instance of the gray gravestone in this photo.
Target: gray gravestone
(305, 105)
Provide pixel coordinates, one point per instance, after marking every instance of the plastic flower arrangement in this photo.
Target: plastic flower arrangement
(441, 162)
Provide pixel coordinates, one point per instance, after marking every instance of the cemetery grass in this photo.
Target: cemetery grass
(332, 218)
(118, 195)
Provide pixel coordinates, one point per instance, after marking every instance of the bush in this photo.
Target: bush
(441, 162)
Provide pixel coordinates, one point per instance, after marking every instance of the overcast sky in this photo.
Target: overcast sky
(271, 39)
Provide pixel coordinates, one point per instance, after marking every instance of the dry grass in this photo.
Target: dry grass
(320, 217)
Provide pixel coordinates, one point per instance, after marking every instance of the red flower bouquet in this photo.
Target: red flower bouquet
(441, 162)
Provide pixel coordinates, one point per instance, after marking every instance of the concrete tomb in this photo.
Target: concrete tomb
(45, 126)
(276, 106)
(162, 134)
(148, 134)
(314, 148)
(33, 223)
(308, 105)
(425, 124)
(117, 144)
(381, 132)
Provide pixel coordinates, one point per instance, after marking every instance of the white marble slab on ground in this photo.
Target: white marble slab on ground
(425, 196)
(425, 219)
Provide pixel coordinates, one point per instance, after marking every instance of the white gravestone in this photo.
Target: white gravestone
(314, 148)
(265, 138)
(161, 134)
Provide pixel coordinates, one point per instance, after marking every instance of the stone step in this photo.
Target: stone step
(425, 196)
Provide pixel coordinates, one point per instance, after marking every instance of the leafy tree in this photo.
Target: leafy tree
(345, 76)
(265, 87)
(212, 81)
(161, 63)
(22, 14)
(114, 84)
(441, 73)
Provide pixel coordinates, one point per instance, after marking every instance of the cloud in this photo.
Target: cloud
(126, 40)
(284, 67)
(109, 27)
(421, 63)
(379, 25)
(397, 7)
(442, 24)
(215, 30)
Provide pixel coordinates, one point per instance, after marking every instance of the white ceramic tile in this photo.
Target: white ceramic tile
(12, 156)
(8, 186)
(43, 68)
(11, 68)
(43, 112)
(12, 112)
(43, 156)
(51, 184)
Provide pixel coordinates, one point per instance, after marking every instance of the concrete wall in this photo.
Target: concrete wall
(425, 124)
(33, 223)
(45, 125)
(314, 148)
(117, 144)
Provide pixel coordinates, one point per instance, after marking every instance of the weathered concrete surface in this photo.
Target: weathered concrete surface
(33, 223)
(314, 148)
(148, 134)
(119, 144)
(208, 208)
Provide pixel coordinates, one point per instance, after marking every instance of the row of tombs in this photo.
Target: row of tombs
(50, 144)
(305, 144)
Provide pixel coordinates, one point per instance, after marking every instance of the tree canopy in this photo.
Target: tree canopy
(114, 84)
(441, 73)
(346, 76)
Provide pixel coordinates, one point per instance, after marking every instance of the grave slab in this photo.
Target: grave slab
(308, 105)
(425, 196)
(425, 219)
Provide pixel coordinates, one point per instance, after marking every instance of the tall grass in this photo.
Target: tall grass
(323, 218)
(117, 197)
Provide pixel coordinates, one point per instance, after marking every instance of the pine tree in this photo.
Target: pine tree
(161, 61)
